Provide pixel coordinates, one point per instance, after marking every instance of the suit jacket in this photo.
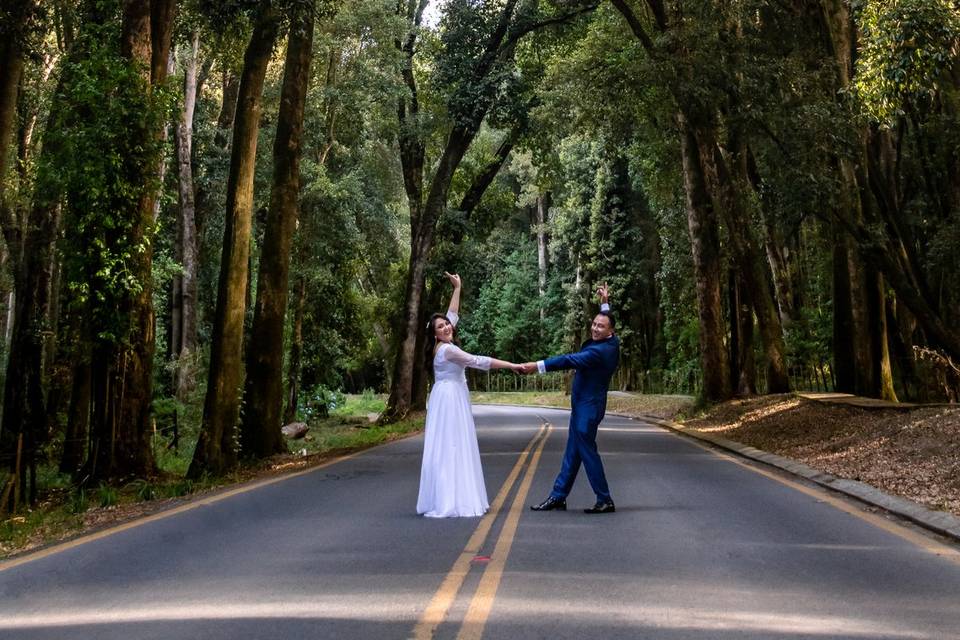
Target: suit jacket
(594, 365)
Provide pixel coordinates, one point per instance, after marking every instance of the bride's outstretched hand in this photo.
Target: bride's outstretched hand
(453, 278)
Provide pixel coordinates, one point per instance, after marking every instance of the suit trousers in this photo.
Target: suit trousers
(582, 449)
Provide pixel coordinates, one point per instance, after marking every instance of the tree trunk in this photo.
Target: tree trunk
(881, 342)
(844, 361)
(725, 190)
(24, 409)
(862, 291)
(424, 214)
(19, 14)
(778, 257)
(185, 285)
(260, 434)
(228, 108)
(401, 395)
(543, 205)
(743, 361)
(879, 234)
(121, 424)
(704, 229)
(78, 418)
(294, 363)
(215, 450)
(208, 195)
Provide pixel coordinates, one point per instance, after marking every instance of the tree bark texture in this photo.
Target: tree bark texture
(20, 12)
(184, 322)
(216, 449)
(704, 229)
(877, 225)
(743, 362)
(260, 434)
(543, 206)
(228, 107)
(120, 428)
(78, 418)
(294, 363)
(844, 365)
(726, 192)
(24, 408)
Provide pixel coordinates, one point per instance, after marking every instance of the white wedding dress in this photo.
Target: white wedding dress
(451, 478)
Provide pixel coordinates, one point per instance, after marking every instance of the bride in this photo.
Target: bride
(451, 478)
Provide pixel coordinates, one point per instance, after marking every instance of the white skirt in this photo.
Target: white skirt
(451, 477)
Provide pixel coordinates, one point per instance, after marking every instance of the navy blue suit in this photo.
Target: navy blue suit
(594, 365)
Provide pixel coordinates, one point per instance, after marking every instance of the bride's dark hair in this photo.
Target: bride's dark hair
(431, 342)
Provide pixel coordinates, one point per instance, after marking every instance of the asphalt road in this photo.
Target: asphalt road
(702, 546)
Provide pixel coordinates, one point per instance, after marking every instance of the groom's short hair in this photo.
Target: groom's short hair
(608, 316)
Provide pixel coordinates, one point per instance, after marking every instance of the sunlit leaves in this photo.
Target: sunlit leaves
(906, 45)
(99, 162)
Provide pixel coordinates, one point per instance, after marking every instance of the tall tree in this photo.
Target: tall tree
(123, 370)
(697, 146)
(260, 433)
(184, 320)
(216, 450)
(479, 43)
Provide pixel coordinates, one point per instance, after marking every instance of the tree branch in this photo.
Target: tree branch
(659, 14)
(513, 39)
(485, 178)
(634, 24)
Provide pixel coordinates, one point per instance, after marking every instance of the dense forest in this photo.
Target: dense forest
(217, 212)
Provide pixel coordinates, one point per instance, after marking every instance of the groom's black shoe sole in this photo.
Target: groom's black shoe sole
(601, 507)
(550, 504)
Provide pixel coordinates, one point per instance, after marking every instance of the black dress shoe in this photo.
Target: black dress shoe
(550, 504)
(601, 507)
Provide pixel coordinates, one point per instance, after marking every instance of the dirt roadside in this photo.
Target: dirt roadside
(912, 452)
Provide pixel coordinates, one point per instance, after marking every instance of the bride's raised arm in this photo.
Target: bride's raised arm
(453, 309)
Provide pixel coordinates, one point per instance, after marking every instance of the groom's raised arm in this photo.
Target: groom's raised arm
(578, 360)
(604, 292)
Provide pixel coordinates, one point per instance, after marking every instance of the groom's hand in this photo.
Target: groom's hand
(528, 367)
(604, 292)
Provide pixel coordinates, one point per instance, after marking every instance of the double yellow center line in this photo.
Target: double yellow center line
(479, 609)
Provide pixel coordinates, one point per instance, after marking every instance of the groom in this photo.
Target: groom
(594, 365)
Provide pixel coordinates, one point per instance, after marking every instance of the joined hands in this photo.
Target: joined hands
(525, 368)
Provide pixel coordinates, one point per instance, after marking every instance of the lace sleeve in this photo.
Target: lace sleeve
(455, 354)
(453, 317)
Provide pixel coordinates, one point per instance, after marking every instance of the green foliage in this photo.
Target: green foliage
(104, 152)
(906, 47)
(182, 487)
(107, 496)
(79, 502)
(506, 318)
(144, 490)
(466, 31)
(319, 402)
(366, 403)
